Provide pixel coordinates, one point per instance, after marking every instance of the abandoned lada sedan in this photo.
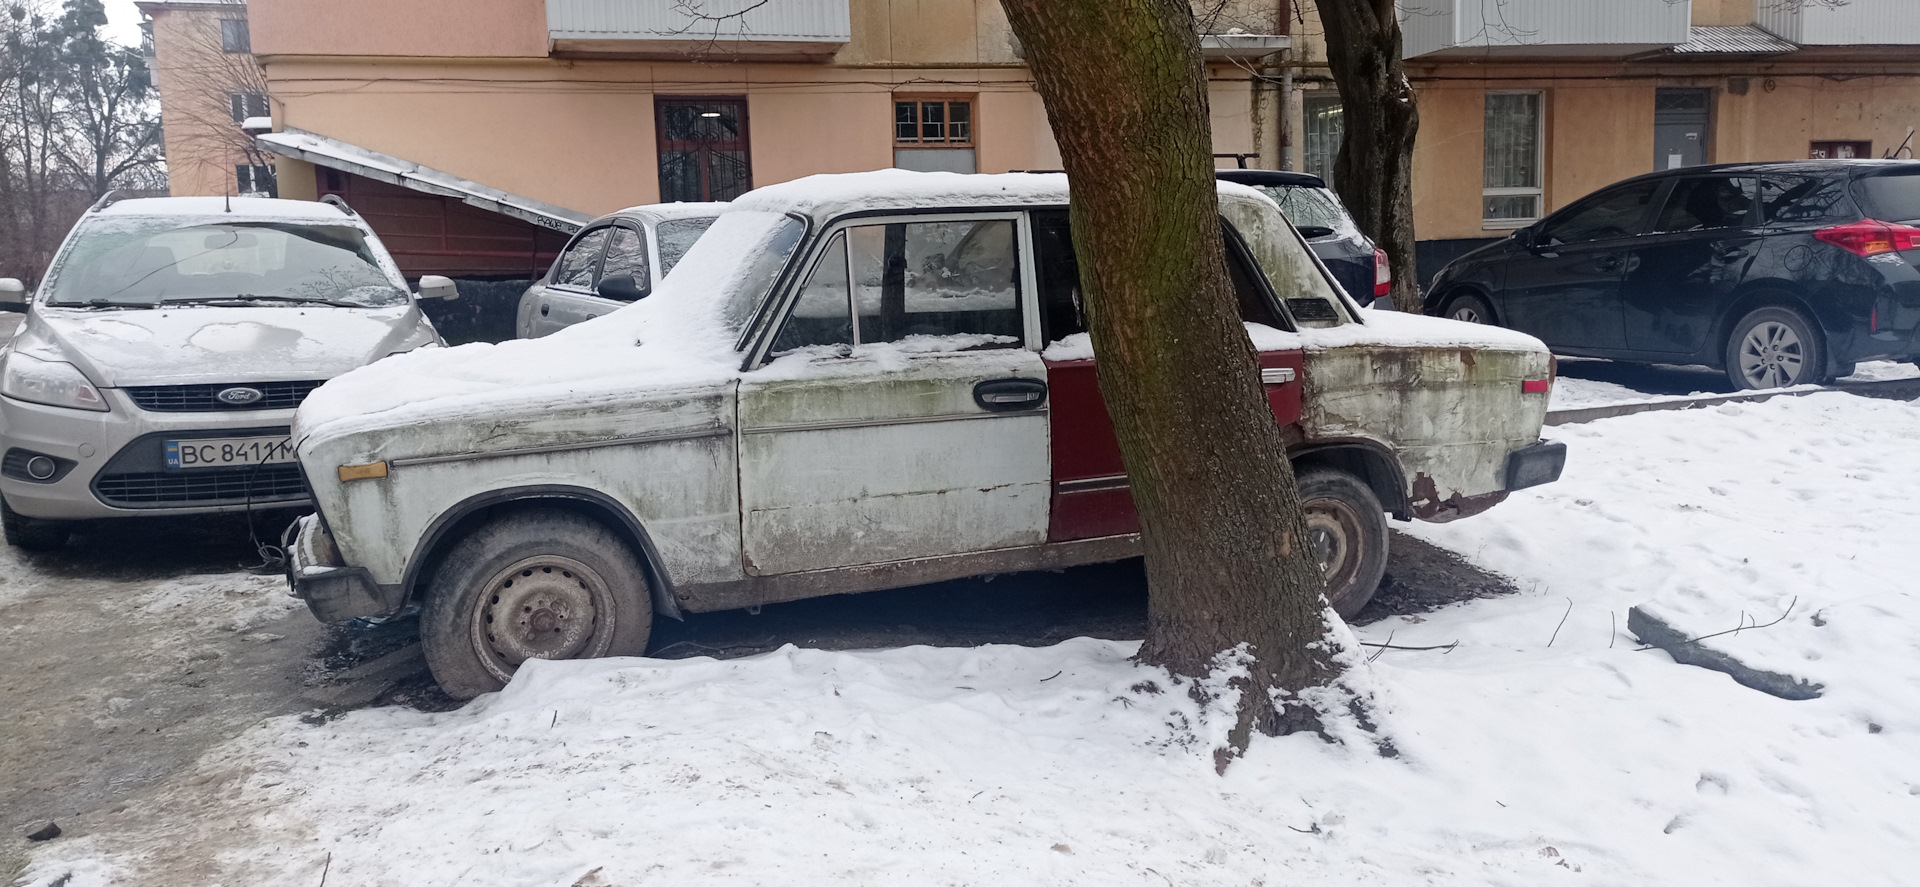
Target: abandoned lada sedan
(852, 383)
(163, 355)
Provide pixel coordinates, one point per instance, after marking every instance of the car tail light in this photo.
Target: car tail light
(1871, 238)
(1536, 386)
(1382, 275)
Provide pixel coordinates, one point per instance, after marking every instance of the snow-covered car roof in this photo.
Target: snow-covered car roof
(249, 208)
(663, 212)
(836, 194)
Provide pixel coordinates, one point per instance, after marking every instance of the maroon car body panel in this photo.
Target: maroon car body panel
(1091, 497)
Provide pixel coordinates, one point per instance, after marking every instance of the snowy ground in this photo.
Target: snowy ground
(1597, 383)
(1545, 749)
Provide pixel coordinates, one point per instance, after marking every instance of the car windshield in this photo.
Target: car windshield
(152, 261)
(1306, 207)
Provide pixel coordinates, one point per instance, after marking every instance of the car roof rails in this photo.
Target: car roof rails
(112, 196)
(334, 200)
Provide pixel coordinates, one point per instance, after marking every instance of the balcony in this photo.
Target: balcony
(1854, 23)
(706, 29)
(1439, 29)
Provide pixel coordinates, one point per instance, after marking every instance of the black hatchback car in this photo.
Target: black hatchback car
(1312, 207)
(1779, 273)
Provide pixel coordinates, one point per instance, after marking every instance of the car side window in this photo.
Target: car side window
(626, 257)
(577, 265)
(1796, 200)
(1708, 202)
(937, 278)
(821, 315)
(1604, 216)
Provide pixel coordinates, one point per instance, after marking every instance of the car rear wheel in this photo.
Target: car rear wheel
(535, 584)
(1775, 348)
(1347, 532)
(1470, 309)
(32, 534)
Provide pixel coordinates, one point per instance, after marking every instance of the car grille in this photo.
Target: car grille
(267, 482)
(201, 399)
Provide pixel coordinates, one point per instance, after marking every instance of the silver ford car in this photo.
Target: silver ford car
(165, 350)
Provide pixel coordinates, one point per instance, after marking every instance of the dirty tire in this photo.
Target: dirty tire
(31, 534)
(1470, 309)
(541, 583)
(1347, 532)
(1775, 348)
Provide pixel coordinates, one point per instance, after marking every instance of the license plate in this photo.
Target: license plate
(216, 452)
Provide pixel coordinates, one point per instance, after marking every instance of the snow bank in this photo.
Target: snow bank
(1545, 749)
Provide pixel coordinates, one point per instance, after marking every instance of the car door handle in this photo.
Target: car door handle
(1003, 395)
(1608, 264)
(1728, 254)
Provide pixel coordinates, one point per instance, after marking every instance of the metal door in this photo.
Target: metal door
(1680, 121)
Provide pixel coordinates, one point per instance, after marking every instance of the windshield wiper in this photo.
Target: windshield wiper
(101, 303)
(244, 299)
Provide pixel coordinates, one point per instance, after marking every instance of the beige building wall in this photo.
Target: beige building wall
(195, 80)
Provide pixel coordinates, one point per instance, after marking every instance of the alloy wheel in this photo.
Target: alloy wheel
(1772, 356)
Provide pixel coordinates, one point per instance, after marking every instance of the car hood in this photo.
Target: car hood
(211, 344)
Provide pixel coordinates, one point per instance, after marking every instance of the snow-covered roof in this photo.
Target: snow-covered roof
(226, 207)
(828, 195)
(336, 154)
(661, 212)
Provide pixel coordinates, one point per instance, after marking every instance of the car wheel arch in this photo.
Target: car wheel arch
(1748, 299)
(1455, 293)
(455, 523)
(1370, 461)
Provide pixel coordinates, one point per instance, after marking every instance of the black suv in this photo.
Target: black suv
(1780, 273)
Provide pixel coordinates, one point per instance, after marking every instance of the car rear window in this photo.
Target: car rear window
(1890, 197)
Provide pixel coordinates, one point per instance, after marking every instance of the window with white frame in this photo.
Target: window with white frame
(1511, 185)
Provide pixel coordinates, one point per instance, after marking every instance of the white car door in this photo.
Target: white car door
(902, 416)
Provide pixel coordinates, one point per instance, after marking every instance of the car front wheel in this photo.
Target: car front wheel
(534, 584)
(1347, 532)
(1775, 348)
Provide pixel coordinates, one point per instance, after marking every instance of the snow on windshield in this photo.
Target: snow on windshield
(148, 261)
(683, 334)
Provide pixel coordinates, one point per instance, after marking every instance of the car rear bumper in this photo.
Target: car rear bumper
(1538, 463)
(333, 591)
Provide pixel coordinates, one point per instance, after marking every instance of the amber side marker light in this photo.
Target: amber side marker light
(368, 471)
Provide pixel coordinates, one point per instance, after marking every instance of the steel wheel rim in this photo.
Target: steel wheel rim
(1337, 543)
(1467, 314)
(541, 607)
(1772, 355)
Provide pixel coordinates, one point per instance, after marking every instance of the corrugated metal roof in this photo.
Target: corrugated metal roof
(335, 154)
(1731, 40)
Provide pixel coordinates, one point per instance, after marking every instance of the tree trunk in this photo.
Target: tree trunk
(1227, 561)
(1374, 169)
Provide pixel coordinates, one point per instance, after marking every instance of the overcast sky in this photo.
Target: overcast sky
(123, 22)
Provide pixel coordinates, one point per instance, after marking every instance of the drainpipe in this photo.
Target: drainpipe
(1283, 24)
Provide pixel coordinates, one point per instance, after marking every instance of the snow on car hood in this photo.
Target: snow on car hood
(214, 344)
(675, 339)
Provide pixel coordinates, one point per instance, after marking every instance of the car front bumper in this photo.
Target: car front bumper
(333, 591)
(124, 444)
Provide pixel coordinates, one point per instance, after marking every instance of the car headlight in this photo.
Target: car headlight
(49, 382)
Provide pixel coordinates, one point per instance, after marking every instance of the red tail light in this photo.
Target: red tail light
(1871, 238)
(1382, 275)
(1536, 386)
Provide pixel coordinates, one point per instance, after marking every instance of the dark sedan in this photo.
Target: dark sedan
(1311, 206)
(1779, 273)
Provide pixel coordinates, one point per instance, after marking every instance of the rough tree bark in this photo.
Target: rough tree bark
(1227, 561)
(1374, 170)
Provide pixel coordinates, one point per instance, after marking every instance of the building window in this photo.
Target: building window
(704, 153)
(233, 35)
(255, 181)
(249, 104)
(1511, 183)
(1324, 127)
(933, 134)
(1841, 150)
